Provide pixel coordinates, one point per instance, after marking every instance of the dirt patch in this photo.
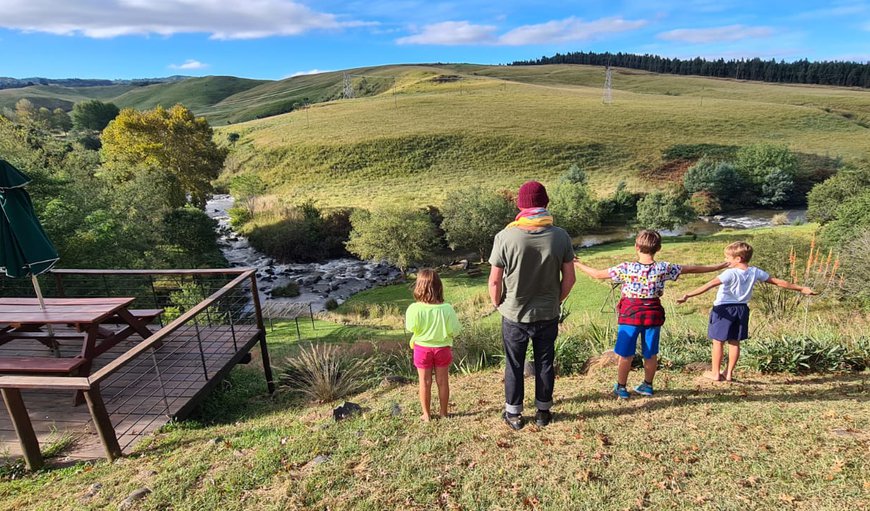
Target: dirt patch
(668, 172)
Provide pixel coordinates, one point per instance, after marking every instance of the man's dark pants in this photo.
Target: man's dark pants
(516, 340)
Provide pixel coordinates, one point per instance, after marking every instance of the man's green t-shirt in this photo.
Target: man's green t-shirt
(433, 324)
(532, 262)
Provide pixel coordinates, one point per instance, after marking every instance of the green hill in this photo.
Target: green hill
(198, 94)
(438, 128)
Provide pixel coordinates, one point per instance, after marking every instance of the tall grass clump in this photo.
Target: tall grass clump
(324, 372)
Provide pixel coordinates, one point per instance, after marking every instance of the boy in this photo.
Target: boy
(640, 312)
(729, 318)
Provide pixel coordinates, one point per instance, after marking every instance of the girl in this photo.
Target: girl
(433, 324)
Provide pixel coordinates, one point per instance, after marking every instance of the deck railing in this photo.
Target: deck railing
(212, 319)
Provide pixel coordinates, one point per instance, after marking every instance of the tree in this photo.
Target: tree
(573, 207)
(93, 115)
(473, 217)
(172, 140)
(60, 120)
(757, 160)
(824, 199)
(246, 188)
(193, 232)
(402, 237)
(574, 175)
(851, 219)
(718, 178)
(776, 188)
(659, 210)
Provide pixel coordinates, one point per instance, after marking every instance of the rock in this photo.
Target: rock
(606, 359)
(394, 379)
(320, 458)
(134, 497)
(93, 490)
(395, 410)
(347, 410)
(696, 367)
(215, 441)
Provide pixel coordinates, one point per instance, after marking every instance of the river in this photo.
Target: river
(339, 279)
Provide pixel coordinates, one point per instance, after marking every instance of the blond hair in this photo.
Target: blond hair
(739, 249)
(428, 288)
(648, 241)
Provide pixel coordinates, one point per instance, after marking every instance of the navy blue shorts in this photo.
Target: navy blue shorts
(729, 322)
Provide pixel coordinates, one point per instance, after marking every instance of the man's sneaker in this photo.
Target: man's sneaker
(515, 422)
(543, 418)
(644, 389)
(621, 392)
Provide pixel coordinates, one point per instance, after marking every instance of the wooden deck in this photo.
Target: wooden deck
(140, 397)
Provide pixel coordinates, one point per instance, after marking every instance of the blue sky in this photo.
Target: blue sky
(273, 39)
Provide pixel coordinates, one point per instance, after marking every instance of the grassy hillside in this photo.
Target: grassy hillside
(440, 128)
(195, 93)
(51, 96)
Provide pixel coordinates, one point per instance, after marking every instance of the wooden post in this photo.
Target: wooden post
(103, 423)
(23, 428)
(264, 350)
(58, 282)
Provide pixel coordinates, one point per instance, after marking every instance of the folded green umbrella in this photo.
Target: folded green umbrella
(24, 247)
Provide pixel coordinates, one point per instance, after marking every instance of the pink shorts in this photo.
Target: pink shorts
(427, 358)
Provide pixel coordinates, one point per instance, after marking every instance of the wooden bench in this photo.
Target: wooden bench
(40, 365)
(146, 315)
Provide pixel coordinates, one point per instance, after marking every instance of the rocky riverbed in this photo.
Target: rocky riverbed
(336, 279)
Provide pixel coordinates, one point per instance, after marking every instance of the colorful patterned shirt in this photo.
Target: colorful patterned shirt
(644, 280)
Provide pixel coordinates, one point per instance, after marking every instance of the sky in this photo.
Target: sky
(275, 39)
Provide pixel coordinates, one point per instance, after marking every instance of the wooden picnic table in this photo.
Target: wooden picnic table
(23, 318)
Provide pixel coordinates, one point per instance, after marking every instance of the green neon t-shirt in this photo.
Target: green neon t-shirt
(433, 324)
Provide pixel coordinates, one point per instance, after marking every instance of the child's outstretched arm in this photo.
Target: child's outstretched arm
(701, 290)
(788, 285)
(703, 269)
(592, 272)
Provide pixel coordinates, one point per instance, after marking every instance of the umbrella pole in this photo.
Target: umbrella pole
(54, 346)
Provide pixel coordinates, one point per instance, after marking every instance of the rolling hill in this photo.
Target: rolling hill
(438, 128)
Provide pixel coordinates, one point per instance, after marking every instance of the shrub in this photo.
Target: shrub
(851, 219)
(660, 210)
(330, 304)
(574, 175)
(573, 207)
(856, 268)
(239, 216)
(718, 178)
(621, 205)
(776, 188)
(757, 160)
(473, 217)
(802, 354)
(289, 290)
(780, 219)
(303, 234)
(824, 199)
(323, 373)
(402, 237)
(704, 203)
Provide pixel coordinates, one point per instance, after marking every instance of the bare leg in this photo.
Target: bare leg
(649, 368)
(442, 378)
(623, 369)
(733, 356)
(425, 391)
(715, 373)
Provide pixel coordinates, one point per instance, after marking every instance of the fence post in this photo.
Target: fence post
(23, 427)
(264, 350)
(102, 422)
(58, 284)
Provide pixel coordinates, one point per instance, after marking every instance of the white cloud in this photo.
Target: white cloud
(557, 31)
(567, 30)
(189, 64)
(728, 33)
(309, 72)
(223, 20)
(451, 33)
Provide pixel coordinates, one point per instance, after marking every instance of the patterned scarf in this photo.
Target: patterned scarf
(533, 217)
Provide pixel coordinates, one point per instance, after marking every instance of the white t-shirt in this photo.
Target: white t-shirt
(737, 284)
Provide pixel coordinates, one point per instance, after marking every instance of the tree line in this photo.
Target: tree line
(844, 74)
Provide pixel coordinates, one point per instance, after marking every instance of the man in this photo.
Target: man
(532, 274)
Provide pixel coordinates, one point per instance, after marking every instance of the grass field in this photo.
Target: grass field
(498, 126)
(774, 442)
